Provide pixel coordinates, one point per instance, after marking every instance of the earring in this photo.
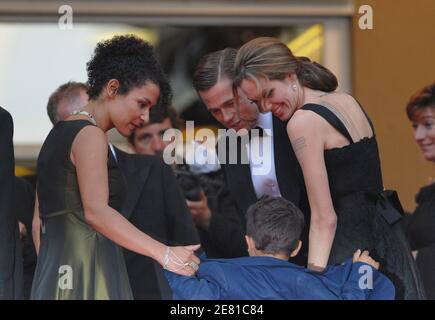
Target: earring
(294, 87)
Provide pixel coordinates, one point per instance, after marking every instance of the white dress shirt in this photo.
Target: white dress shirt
(262, 159)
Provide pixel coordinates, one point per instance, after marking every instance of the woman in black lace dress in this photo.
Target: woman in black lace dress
(336, 147)
(421, 224)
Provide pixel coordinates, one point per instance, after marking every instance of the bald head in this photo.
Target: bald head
(66, 99)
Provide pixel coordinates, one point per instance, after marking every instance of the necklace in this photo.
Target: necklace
(85, 113)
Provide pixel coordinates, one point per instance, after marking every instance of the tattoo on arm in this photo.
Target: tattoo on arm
(299, 145)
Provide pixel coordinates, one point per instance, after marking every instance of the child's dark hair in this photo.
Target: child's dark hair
(275, 224)
(131, 61)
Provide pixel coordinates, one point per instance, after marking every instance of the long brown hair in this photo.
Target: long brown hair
(270, 59)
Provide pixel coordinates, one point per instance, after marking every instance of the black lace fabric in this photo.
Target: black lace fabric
(354, 176)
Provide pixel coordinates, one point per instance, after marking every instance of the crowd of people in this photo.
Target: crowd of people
(104, 223)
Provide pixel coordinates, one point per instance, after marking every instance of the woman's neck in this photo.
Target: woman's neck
(100, 114)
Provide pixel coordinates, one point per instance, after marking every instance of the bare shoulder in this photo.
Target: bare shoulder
(338, 99)
(91, 134)
(89, 140)
(304, 121)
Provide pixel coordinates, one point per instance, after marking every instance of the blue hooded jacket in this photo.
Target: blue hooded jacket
(267, 278)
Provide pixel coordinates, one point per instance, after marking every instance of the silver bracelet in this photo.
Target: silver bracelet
(166, 258)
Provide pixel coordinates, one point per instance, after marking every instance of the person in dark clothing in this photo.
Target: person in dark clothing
(24, 201)
(11, 267)
(205, 191)
(335, 144)
(421, 224)
(153, 202)
(80, 187)
(246, 181)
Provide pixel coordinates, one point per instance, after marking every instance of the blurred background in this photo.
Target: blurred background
(382, 67)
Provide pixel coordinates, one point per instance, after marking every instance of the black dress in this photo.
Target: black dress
(75, 261)
(421, 233)
(356, 187)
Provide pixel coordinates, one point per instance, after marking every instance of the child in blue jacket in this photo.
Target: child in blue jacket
(273, 229)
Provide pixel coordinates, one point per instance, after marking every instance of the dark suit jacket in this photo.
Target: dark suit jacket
(420, 227)
(155, 205)
(10, 249)
(227, 228)
(24, 202)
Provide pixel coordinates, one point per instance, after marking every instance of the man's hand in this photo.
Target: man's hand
(364, 257)
(23, 230)
(201, 213)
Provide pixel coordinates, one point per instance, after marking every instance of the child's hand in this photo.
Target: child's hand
(364, 257)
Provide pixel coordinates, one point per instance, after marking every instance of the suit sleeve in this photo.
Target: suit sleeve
(227, 227)
(24, 201)
(420, 225)
(8, 221)
(182, 230)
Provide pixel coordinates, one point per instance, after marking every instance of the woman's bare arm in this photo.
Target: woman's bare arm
(89, 155)
(308, 141)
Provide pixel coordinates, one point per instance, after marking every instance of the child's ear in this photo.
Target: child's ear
(251, 244)
(296, 251)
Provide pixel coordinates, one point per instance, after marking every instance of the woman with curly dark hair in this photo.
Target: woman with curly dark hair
(79, 183)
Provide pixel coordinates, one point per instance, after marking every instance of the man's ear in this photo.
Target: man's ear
(112, 87)
(298, 248)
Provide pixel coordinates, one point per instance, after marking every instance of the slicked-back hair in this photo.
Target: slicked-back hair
(213, 67)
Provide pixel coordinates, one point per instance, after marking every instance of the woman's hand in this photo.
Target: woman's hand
(181, 260)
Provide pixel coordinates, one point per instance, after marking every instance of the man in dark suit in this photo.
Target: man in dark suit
(11, 268)
(204, 191)
(213, 81)
(153, 202)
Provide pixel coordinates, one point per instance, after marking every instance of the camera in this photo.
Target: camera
(189, 183)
